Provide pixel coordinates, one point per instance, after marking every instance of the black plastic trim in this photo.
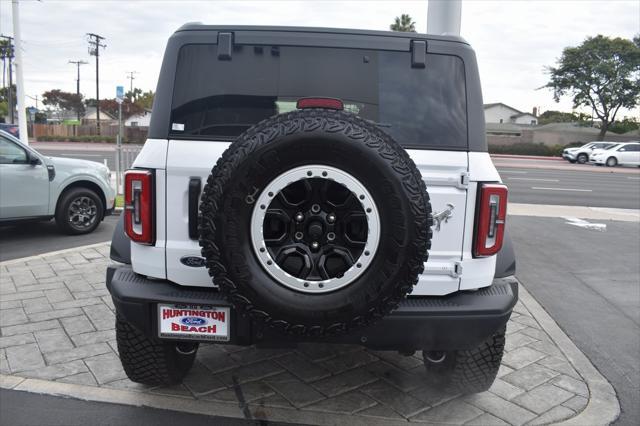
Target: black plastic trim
(506, 257)
(457, 321)
(418, 53)
(225, 46)
(120, 244)
(195, 187)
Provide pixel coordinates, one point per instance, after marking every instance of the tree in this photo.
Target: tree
(602, 74)
(625, 125)
(4, 100)
(403, 23)
(128, 108)
(145, 100)
(63, 101)
(552, 116)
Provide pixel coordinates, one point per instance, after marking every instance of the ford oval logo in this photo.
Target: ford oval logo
(193, 321)
(193, 261)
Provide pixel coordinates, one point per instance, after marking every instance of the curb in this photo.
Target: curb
(603, 407)
(200, 406)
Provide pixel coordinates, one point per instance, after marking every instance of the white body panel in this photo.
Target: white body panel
(150, 260)
(450, 178)
(186, 160)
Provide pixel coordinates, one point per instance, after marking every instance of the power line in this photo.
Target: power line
(94, 50)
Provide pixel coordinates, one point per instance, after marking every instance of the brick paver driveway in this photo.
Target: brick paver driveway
(57, 324)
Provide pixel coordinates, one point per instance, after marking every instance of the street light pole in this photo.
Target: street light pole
(444, 17)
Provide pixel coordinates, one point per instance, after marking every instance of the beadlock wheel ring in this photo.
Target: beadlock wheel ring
(332, 174)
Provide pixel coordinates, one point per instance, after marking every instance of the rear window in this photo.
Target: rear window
(418, 107)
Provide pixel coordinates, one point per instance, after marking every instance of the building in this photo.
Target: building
(504, 114)
(139, 120)
(91, 116)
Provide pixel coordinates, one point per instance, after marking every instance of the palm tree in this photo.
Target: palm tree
(403, 23)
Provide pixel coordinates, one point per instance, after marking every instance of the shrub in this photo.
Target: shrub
(95, 138)
(531, 149)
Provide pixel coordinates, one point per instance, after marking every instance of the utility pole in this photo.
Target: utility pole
(78, 63)
(7, 52)
(131, 77)
(94, 50)
(22, 113)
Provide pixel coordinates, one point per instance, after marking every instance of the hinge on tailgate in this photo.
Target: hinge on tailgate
(225, 46)
(463, 183)
(457, 270)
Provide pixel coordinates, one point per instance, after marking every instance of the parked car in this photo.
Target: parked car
(581, 154)
(623, 154)
(12, 129)
(335, 184)
(77, 193)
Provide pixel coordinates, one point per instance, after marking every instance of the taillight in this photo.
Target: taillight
(329, 103)
(490, 220)
(138, 206)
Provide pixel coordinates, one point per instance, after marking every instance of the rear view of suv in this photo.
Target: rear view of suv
(314, 185)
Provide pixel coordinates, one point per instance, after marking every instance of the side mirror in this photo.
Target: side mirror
(33, 160)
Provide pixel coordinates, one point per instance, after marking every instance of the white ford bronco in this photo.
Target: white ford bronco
(314, 185)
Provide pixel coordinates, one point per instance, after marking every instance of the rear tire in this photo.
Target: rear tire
(612, 162)
(466, 371)
(79, 211)
(151, 361)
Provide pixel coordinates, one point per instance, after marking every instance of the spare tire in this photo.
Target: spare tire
(315, 222)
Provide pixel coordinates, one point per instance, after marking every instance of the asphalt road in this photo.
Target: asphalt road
(589, 282)
(32, 238)
(98, 153)
(572, 187)
(22, 408)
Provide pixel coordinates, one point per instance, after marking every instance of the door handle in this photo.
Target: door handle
(195, 186)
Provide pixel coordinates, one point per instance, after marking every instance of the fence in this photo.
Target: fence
(127, 156)
(107, 129)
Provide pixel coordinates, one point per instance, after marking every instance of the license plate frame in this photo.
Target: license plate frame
(194, 322)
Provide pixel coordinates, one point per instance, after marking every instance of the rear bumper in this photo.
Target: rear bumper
(458, 321)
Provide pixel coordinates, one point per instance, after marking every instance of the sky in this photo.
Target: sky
(513, 40)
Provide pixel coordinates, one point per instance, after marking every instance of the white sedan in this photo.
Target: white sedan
(624, 154)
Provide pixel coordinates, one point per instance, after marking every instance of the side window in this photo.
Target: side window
(633, 148)
(10, 153)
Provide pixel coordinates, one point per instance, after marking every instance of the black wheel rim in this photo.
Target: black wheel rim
(315, 228)
(82, 213)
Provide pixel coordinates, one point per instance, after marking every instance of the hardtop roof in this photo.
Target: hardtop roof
(197, 26)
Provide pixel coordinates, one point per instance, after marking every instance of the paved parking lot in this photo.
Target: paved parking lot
(57, 337)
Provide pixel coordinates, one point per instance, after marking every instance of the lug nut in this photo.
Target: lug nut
(331, 218)
(299, 217)
(315, 245)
